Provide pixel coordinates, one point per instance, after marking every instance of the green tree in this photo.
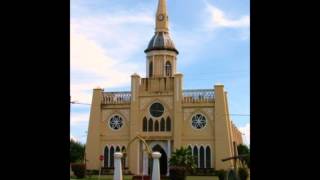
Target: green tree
(180, 162)
(76, 151)
(244, 150)
(182, 157)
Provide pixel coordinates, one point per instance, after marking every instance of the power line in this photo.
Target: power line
(239, 114)
(74, 102)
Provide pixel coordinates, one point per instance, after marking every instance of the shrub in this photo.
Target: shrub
(165, 178)
(211, 171)
(221, 174)
(79, 170)
(191, 172)
(90, 173)
(243, 173)
(178, 173)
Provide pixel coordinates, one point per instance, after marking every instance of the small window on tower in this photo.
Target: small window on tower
(168, 69)
(150, 69)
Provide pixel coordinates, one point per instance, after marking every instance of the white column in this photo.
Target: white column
(169, 156)
(156, 166)
(145, 163)
(117, 166)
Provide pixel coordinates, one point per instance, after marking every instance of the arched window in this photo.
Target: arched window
(201, 157)
(106, 156)
(111, 157)
(118, 149)
(150, 125)
(150, 69)
(168, 69)
(168, 124)
(156, 126)
(123, 159)
(208, 157)
(162, 124)
(145, 124)
(195, 155)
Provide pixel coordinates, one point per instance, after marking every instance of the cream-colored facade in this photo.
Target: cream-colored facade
(158, 109)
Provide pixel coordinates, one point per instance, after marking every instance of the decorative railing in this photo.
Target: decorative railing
(198, 95)
(116, 97)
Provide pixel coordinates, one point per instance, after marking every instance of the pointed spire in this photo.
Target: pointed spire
(162, 22)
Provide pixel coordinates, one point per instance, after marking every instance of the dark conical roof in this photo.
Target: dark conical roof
(161, 41)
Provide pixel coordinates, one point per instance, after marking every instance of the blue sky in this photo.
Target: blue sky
(108, 38)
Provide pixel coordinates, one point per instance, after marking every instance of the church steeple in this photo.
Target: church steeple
(162, 19)
(161, 51)
(161, 39)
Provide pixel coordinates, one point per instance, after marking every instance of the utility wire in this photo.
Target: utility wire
(74, 102)
(239, 114)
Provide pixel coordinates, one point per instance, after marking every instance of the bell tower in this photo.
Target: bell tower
(161, 52)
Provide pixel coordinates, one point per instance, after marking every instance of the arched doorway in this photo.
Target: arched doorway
(163, 160)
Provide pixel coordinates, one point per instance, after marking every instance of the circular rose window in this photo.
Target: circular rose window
(199, 121)
(156, 109)
(116, 122)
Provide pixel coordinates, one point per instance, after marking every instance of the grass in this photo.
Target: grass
(202, 178)
(108, 177)
(103, 177)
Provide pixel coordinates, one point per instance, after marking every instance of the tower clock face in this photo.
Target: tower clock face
(156, 109)
(161, 17)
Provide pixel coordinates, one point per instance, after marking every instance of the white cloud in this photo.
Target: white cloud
(121, 35)
(90, 59)
(101, 48)
(78, 118)
(246, 133)
(218, 19)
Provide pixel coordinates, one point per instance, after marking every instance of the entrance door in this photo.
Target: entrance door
(163, 160)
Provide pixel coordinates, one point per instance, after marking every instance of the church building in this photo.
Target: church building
(160, 111)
